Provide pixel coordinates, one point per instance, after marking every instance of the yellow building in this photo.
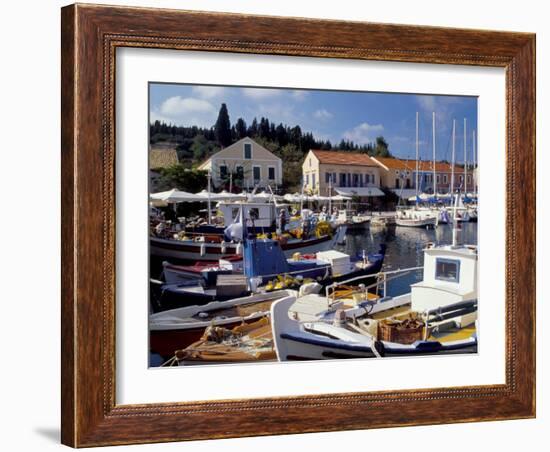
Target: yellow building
(254, 164)
(348, 173)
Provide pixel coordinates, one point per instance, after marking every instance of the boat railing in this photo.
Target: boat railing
(382, 279)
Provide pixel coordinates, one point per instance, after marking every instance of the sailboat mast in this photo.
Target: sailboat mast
(475, 159)
(465, 163)
(329, 195)
(433, 151)
(209, 200)
(453, 162)
(416, 168)
(455, 229)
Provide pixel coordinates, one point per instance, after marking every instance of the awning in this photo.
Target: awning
(405, 193)
(359, 191)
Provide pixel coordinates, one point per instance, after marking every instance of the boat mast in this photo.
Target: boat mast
(465, 163)
(416, 178)
(455, 229)
(302, 198)
(433, 151)
(475, 159)
(329, 195)
(209, 219)
(453, 163)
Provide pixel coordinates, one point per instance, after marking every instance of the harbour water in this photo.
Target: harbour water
(405, 247)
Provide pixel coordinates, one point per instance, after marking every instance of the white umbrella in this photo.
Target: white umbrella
(204, 195)
(296, 197)
(318, 198)
(172, 196)
(230, 196)
(265, 196)
(340, 198)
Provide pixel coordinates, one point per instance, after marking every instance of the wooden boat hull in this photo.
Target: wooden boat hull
(249, 342)
(166, 342)
(176, 329)
(200, 251)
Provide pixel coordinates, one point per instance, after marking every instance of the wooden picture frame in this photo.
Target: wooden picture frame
(90, 36)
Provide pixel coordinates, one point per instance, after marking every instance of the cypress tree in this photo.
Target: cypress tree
(222, 128)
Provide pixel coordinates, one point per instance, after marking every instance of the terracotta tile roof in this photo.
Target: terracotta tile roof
(162, 158)
(343, 158)
(423, 165)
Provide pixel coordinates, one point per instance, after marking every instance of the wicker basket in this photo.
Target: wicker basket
(400, 331)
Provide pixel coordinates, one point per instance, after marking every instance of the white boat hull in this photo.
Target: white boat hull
(416, 223)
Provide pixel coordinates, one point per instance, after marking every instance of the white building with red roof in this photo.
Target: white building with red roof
(348, 173)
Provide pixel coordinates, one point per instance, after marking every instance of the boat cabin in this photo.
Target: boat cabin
(265, 214)
(450, 276)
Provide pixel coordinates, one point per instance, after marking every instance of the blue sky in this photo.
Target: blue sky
(333, 115)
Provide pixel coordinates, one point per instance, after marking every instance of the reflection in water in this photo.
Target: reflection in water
(405, 247)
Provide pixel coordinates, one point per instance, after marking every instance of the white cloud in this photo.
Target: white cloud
(299, 94)
(276, 112)
(363, 133)
(322, 114)
(208, 92)
(178, 105)
(443, 106)
(188, 111)
(261, 93)
(318, 135)
(427, 103)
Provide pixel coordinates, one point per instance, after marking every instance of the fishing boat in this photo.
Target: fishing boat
(243, 343)
(382, 221)
(351, 219)
(201, 270)
(171, 330)
(183, 246)
(438, 315)
(414, 218)
(265, 269)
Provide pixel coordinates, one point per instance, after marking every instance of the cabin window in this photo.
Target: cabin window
(247, 151)
(254, 213)
(447, 270)
(271, 173)
(257, 173)
(223, 171)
